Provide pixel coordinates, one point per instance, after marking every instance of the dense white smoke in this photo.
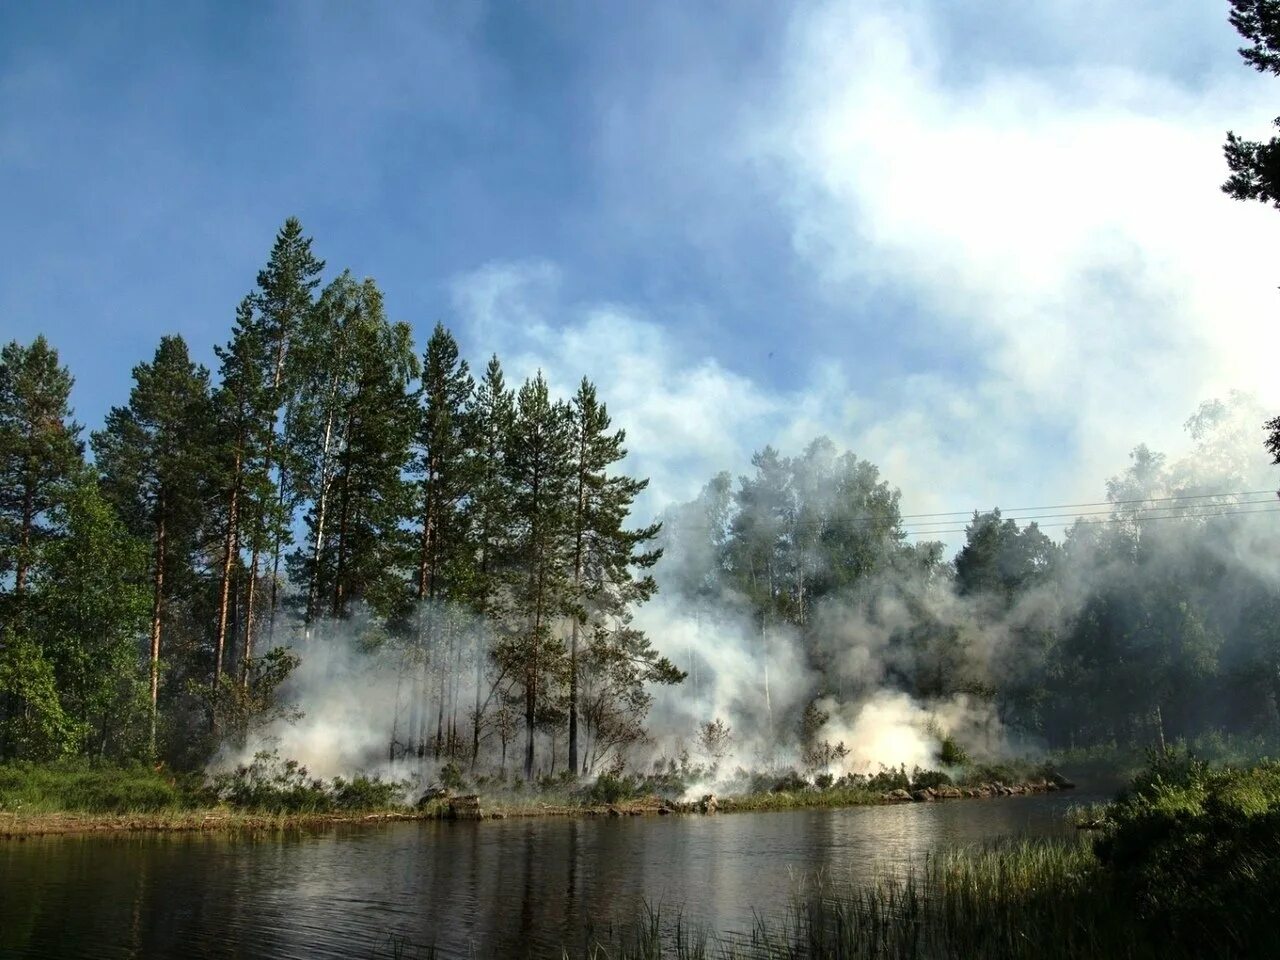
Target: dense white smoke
(355, 696)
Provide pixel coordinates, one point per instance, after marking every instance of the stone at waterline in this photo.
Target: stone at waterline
(465, 808)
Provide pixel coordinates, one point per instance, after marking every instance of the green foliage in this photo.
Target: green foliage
(951, 753)
(1196, 851)
(928, 779)
(451, 776)
(85, 786)
(612, 789)
(269, 784)
(33, 725)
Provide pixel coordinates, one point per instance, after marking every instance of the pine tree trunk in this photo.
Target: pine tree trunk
(230, 546)
(340, 565)
(247, 655)
(579, 524)
(275, 562)
(24, 548)
(322, 503)
(157, 614)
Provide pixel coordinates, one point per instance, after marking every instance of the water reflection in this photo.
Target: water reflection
(498, 889)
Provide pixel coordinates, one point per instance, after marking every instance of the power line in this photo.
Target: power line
(1026, 515)
(1192, 516)
(1097, 513)
(1097, 503)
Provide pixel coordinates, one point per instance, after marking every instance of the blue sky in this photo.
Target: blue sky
(983, 248)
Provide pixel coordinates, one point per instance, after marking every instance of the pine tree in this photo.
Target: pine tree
(238, 405)
(40, 450)
(283, 301)
(439, 467)
(489, 426)
(604, 553)
(538, 469)
(152, 457)
(362, 558)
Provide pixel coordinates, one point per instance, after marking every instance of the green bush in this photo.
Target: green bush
(611, 789)
(271, 785)
(789, 782)
(951, 754)
(889, 779)
(1197, 851)
(928, 779)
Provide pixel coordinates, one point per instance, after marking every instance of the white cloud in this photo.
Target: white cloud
(1067, 227)
(1064, 227)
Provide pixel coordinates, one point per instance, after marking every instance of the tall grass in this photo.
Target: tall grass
(83, 786)
(1017, 900)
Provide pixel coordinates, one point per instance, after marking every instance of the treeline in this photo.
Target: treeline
(326, 480)
(1158, 620)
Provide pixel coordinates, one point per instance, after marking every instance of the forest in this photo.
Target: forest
(154, 593)
(470, 548)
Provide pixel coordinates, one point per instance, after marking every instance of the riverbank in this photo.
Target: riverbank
(447, 806)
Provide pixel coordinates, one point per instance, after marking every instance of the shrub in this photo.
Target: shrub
(609, 788)
(789, 782)
(889, 779)
(271, 785)
(1197, 851)
(451, 776)
(951, 754)
(824, 781)
(928, 779)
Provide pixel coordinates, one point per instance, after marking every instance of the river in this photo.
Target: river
(509, 888)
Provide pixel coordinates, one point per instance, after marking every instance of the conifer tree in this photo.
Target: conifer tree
(152, 456)
(489, 426)
(40, 451)
(604, 554)
(283, 300)
(362, 558)
(439, 468)
(538, 469)
(238, 405)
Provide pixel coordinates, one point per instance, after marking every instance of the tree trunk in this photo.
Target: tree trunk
(230, 546)
(157, 613)
(24, 548)
(251, 590)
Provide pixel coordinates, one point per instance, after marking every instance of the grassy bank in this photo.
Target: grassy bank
(79, 796)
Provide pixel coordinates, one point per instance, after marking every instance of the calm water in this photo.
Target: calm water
(510, 888)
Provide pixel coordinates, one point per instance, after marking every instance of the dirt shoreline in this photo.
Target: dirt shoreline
(19, 826)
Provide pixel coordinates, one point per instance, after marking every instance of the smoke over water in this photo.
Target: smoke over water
(876, 669)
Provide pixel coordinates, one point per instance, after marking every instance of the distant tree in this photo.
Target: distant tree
(715, 739)
(360, 556)
(283, 303)
(440, 470)
(1000, 560)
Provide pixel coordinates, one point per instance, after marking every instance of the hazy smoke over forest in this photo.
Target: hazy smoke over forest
(911, 647)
